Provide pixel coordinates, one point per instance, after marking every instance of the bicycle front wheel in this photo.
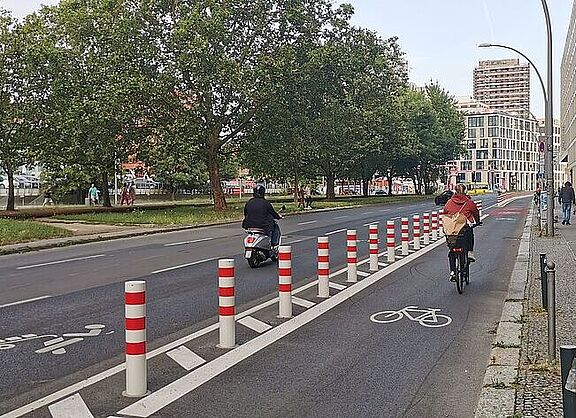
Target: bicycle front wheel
(435, 321)
(459, 275)
(386, 317)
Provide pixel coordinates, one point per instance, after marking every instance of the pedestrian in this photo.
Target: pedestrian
(132, 194)
(93, 195)
(124, 194)
(567, 198)
(48, 197)
(308, 197)
(536, 197)
(301, 197)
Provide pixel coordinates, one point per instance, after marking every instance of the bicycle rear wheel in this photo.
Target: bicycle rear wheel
(459, 275)
(466, 270)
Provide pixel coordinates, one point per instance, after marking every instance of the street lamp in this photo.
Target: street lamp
(549, 136)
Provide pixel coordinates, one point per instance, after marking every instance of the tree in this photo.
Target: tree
(23, 95)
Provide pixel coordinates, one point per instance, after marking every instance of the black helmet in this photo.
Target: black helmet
(259, 191)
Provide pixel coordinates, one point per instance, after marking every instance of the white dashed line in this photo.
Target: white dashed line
(25, 301)
(363, 273)
(186, 358)
(341, 217)
(51, 263)
(173, 244)
(337, 286)
(307, 223)
(72, 407)
(184, 265)
(255, 324)
(335, 232)
(302, 302)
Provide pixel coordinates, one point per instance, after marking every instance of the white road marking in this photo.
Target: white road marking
(51, 263)
(186, 358)
(368, 213)
(172, 392)
(188, 242)
(382, 264)
(363, 273)
(395, 218)
(307, 223)
(337, 286)
(302, 302)
(20, 302)
(72, 407)
(293, 242)
(341, 217)
(255, 324)
(334, 232)
(372, 223)
(184, 265)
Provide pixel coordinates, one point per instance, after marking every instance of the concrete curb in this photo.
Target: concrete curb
(499, 388)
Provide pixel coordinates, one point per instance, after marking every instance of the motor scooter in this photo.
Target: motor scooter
(258, 248)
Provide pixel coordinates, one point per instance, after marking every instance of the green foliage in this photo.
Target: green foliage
(13, 232)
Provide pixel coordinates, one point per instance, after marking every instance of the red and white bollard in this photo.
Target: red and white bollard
(405, 236)
(352, 255)
(391, 241)
(416, 226)
(434, 226)
(441, 223)
(479, 205)
(426, 228)
(500, 200)
(135, 314)
(323, 267)
(285, 282)
(226, 302)
(373, 241)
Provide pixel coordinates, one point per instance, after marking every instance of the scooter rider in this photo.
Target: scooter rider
(259, 213)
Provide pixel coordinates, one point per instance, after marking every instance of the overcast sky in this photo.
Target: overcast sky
(439, 37)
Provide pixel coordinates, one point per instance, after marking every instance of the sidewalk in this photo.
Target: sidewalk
(539, 391)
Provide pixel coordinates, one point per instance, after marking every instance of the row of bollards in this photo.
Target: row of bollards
(135, 291)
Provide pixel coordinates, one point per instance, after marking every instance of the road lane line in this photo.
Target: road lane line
(337, 286)
(368, 213)
(170, 393)
(255, 324)
(307, 223)
(173, 244)
(20, 302)
(72, 407)
(69, 260)
(341, 217)
(186, 358)
(184, 265)
(293, 242)
(371, 223)
(302, 302)
(335, 232)
(363, 273)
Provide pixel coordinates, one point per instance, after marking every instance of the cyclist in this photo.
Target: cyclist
(462, 203)
(259, 213)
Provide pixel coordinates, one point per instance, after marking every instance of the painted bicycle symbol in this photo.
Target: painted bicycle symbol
(55, 344)
(425, 317)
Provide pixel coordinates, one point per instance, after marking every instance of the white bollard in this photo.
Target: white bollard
(373, 240)
(135, 314)
(405, 236)
(323, 267)
(227, 304)
(479, 205)
(426, 228)
(434, 226)
(416, 226)
(391, 241)
(352, 255)
(441, 223)
(285, 282)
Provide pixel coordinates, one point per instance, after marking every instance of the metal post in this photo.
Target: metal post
(551, 273)
(544, 280)
(568, 372)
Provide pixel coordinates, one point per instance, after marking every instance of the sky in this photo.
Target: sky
(440, 37)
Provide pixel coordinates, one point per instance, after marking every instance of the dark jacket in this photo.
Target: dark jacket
(259, 213)
(567, 195)
(463, 204)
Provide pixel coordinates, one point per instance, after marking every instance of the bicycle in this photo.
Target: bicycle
(458, 260)
(427, 318)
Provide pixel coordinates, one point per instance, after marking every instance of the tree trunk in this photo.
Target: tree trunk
(330, 180)
(11, 200)
(213, 166)
(296, 181)
(365, 187)
(173, 193)
(105, 191)
(389, 183)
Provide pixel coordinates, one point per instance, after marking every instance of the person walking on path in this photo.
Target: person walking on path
(93, 195)
(567, 198)
(124, 195)
(301, 197)
(48, 197)
(132, 194)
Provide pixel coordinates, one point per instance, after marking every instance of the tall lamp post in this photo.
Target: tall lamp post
(549, 138)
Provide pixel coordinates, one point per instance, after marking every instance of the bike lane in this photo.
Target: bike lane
(343, 364)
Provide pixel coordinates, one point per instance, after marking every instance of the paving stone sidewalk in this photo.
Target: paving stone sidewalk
(539, 392)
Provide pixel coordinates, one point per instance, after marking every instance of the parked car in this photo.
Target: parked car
(380, 192)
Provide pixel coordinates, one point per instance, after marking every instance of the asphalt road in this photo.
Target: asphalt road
(83, 285)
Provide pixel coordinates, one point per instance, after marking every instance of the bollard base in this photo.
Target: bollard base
(126, 395)
(284, 317)
(226, 347)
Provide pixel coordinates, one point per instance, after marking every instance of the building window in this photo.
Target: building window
(492, 121)
(475, 121)
(471, 133)
(479, 165)
(492, 132)
(482, 155)
(484, 143)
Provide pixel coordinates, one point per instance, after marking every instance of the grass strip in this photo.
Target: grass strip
(14, 232)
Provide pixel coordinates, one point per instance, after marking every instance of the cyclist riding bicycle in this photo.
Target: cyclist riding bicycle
(463, 204)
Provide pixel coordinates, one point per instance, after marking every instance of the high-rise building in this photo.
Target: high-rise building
(568, 99)
(503, 85)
